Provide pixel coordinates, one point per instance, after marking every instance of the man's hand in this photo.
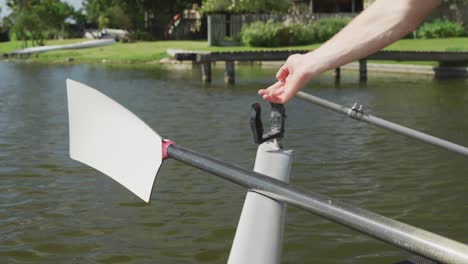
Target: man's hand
(379, 25)
(292, 76)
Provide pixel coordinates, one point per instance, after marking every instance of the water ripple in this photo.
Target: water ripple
(56, 210)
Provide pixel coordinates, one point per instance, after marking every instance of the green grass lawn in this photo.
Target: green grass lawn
(144, 52)
(446, 44)
(138, 52)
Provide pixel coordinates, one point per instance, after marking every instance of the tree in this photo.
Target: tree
(103, 21)
(119, 18)
(38, 19)
(136, 15)
(2, 27)
(23, 20)
(94, 9)
(242, 6)
(80, 18)
(54, 14)
(27, 25)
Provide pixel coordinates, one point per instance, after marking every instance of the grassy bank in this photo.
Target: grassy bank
(147, 52)
(138, 52)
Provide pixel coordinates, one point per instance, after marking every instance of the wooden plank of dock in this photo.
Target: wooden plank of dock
(283, 55)
(206, 58)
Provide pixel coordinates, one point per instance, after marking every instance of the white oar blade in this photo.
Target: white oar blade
(111, 139)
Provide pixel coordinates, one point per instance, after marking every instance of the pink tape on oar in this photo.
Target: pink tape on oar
(165, 145)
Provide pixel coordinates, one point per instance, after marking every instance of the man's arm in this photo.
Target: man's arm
(381, 24)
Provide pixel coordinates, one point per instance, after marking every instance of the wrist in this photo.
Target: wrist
(312, 66)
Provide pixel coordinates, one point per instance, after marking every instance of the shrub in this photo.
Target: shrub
(327, 27)
(260, 34)
(216, 6)
(274, 34)
(244, 6)
(141, 35)
(440, 29)
(300, 34)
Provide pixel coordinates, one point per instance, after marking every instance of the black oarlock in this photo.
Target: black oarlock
(277, 121)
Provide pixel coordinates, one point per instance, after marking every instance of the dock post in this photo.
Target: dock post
(363, 70)
(229, 75)
(206, 71)
(337, 74)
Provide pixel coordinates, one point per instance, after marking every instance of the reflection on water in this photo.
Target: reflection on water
(54, 209)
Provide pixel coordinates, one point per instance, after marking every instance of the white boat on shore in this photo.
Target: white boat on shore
(78, 45)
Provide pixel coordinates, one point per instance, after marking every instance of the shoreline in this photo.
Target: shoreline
(392, 67)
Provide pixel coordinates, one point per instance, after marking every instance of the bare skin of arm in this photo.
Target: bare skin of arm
(381, 24)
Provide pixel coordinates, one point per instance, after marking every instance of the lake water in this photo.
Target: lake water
(56, 210)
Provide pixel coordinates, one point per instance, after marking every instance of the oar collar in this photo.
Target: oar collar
(165, 145)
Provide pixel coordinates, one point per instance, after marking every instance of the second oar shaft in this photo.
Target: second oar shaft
(360, 116)
(413, 239)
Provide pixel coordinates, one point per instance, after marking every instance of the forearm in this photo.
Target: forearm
(383, 23)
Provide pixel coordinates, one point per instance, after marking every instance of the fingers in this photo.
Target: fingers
(273, 93)
(292, 85)
(277, 96)
(283, 72)
(286, 69)
(273, 99)
(288, 84)
(283, 91)
(271, 89)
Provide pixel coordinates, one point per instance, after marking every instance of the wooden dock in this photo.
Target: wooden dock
(445, 59)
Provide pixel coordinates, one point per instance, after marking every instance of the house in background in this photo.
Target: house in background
(451, 10)
(228, 26)
(4, 35)
(222, 26)
(332, 6)
(316, 9)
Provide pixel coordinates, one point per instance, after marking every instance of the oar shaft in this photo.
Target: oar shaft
(413, 239)
(384, 124)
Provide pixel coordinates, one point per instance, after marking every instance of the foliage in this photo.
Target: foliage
(260, 34)
(35, 20)
(440, 29)
(325, 28)
(108, 13)
(301, 34)
(141, 35)
(148, 17)
(216, 6)
(29, 25)
(245, 6)
(80, 18)
(145, 52)
(119, 18)
(270, 34)
(103, 22)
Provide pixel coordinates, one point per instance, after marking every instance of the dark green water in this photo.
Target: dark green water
(56, 210)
